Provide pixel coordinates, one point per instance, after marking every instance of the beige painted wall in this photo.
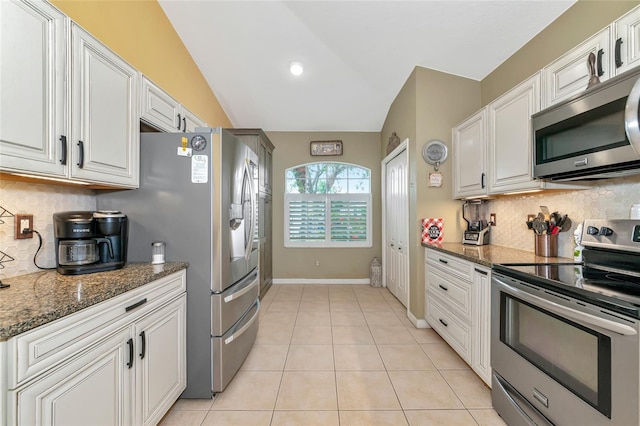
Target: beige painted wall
(140, 32)
(578, 23)
(429, 104)
(292, 148)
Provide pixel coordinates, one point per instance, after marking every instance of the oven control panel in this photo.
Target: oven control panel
(614, 234)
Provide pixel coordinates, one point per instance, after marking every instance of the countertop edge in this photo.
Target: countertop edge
(22, 316)
(488, 255)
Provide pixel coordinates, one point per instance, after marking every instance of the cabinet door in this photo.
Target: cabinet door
(626, 45)
(33, 100)
(160, 361)
(481, 324)
(510, 137)
(158, 108)
(469, 147)
(94, 388)
(190, 121)
(105, 125)
(569, 74)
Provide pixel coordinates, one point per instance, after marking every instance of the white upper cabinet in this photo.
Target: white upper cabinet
(158, 108)
(570, 73)
(626, 41)
(510, 138)
(163, 112)
(105, 132)
(469, 157)
(69, 104)
(190, 121)
(33, 88)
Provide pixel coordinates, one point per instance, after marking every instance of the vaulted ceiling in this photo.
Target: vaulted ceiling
(356, 54)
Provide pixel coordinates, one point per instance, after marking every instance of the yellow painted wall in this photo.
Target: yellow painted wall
(140, 32)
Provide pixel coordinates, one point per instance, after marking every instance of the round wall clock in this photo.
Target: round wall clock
(435, 153)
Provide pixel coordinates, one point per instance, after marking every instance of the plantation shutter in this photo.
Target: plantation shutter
(349, 218)
(306, 219)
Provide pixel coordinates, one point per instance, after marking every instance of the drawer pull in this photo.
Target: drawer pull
(143, 343)
(443, 322)
(480, 271)
(135, 305)
(443, 287)
(130, 344)
(443, 261)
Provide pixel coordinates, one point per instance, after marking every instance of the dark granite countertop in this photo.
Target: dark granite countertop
(490, 254)
(41, 297)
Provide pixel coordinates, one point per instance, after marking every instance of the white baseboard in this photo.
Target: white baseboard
(419, 323)
(319, 281)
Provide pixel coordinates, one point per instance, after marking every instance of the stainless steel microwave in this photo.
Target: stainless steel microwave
(592, 135)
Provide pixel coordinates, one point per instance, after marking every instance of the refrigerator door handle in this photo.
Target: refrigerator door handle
(252, 217)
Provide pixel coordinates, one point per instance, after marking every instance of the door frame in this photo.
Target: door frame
(404, 146)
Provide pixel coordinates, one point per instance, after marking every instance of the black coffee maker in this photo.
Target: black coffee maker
(89, 241)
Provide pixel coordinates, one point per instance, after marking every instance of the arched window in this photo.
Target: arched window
(327, 204)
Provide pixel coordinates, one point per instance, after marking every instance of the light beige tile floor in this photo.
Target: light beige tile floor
(343, 355)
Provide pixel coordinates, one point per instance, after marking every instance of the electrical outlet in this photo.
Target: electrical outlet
(492, 219)
(24, 221)
(317, 263)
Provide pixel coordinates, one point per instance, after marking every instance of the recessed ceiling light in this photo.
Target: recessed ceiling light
(296, 68)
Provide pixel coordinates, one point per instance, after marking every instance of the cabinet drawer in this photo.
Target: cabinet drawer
(33, 352)
(451, 328)
(449, 264)
(453, 292)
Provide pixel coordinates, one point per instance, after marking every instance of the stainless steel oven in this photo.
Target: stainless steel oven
(565, 345)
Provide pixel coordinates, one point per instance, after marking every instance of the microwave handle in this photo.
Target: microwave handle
(631, 125)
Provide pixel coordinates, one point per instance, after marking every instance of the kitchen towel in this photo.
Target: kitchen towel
(432, 231)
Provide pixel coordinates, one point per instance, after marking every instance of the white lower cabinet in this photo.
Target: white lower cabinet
(128, 369)
(160, 361)
(457, 297)
(481, 323)
(94, 388)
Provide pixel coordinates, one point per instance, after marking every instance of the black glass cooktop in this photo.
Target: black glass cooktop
(616, 291)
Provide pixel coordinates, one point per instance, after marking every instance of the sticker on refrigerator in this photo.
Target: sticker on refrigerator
(199, 169)
(184, 152)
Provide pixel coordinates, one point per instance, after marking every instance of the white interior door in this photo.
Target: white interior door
(396, 206)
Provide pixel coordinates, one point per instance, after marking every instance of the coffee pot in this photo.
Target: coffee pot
(88, 241)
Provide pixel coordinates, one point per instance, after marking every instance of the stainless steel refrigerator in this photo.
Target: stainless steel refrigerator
(198, 193)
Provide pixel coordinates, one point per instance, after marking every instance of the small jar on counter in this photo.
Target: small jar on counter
(157, 252)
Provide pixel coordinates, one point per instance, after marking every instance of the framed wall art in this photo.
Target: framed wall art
(326, 148)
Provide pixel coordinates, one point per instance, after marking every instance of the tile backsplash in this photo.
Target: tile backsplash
(42, 201)
(604, 199)
(601, 199)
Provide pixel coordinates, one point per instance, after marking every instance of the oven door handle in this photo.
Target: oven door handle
(571, 313)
